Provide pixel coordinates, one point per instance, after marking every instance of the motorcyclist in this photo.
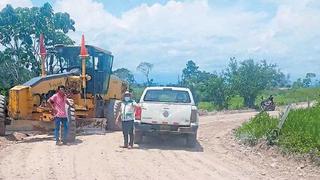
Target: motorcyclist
(271, 99)
(268, 104)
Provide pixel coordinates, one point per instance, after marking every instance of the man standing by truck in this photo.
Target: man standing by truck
(58, 104)
(127, 116)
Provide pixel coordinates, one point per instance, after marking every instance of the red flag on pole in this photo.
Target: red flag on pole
(42, 47)
(83, 50)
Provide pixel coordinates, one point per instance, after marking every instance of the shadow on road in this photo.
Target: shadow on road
(168, 143)
(42, 138)
(91, 131)
(36, 139)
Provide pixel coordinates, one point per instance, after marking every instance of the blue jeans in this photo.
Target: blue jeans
(57, 122)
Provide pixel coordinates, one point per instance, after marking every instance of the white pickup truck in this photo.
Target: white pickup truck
(167, 110)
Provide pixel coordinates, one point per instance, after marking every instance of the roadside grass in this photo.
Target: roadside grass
(300, 133)
(236, 102)
(281, 97)
(284, 97)
(208, 106)
(256, 128)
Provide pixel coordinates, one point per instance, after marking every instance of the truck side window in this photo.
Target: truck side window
(96, 63)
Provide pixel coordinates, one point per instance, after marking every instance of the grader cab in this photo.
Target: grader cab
(94, 98)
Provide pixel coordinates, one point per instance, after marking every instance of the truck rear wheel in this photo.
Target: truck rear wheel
(2, 115)
(71, 137)
(111, 111)
(191, 140)
(138, 137)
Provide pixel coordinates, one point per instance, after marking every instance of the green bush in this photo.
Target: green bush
(236, 102)
(208, 106)
(258, 127)
(299, 134)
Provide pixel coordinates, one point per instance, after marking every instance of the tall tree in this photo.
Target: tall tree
(20, 29)
(145, 68)
(125, 75)
(298, 84)
(248, 78)
(190, 78)
(191, 71)
(308, 79)
(216, 89)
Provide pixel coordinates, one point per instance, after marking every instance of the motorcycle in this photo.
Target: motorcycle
(268, 104)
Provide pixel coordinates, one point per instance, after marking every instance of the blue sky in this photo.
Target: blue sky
(115, 7)
(167, 33)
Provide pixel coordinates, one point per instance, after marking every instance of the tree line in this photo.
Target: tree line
(20, 29)
(246, 79)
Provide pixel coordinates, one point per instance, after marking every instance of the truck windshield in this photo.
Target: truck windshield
(175, 96)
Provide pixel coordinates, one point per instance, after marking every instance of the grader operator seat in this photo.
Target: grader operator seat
(98, 66)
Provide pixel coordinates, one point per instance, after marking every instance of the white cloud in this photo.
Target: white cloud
(168, 35)
(16, 3)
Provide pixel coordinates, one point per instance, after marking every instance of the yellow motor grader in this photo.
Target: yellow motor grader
(89, 83)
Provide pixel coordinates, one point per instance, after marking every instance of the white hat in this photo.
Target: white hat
(127, 92)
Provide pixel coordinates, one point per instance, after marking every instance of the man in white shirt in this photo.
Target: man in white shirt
(127, 115)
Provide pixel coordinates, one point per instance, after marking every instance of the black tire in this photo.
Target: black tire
(71, 136)
(191, 140)
(111, 111)
(2, 116)
(138, 137)
(273, 107)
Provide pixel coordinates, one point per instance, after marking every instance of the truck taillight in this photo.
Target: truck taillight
(194, 115)
(137, 113)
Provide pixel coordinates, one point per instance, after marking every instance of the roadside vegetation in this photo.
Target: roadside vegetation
(301, 131)
(299, 134)
(281, 97)
(256, 128)
(241, 85)
(293, 95)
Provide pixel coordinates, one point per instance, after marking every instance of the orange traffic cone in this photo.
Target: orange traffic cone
(83, 50)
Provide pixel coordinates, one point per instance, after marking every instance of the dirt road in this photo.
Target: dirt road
(217, 156)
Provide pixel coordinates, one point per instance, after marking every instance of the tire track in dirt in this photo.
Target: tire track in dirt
(30, 162)
(99, 157)
(19, 170)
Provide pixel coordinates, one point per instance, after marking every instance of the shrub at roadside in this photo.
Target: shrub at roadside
(258, 127)
(301, 132)
(208, 106)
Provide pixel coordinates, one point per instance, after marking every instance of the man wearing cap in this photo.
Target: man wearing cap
(127, 115)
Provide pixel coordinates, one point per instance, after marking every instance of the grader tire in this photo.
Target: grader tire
(111, 111)
(71, 136)
(2, 115)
